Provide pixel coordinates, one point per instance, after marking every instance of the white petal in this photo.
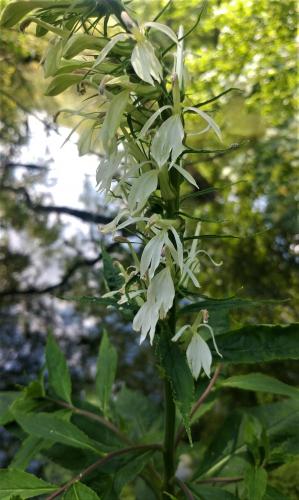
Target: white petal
(151, 120)
(180, 332)
(151, 255)
(121, 37)
(168, 139)
(199, 356)
(186, 175)
(163, 28)
(145, 63)
(179, 246)
(208, 119)
(179, 63)
(141, 189)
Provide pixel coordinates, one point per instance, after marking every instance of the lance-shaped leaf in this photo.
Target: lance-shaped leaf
(106, 370)
(59, 377)
(261, 382)
(15, 11)
(22, 485)
(113, 118)
(62, 82)
(260, 343)
(53, 428)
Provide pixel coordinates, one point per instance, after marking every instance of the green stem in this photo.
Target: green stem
(169, 429)
(169, 448)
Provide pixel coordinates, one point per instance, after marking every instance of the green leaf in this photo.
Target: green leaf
(6, 400)
(113, 118)
(62, 82)
(174, 362)
(16, 482)
(256, 483)
(81, 41)
(132, 468)
(259, 343)
(80, 491)
(28, 450)
(15, 11)
(111, 274)
(281, 421)
(106, 370)
(210, 493)
(261, 382)
(53, 428)
(223, 304)
(59, 377)
(138, 415)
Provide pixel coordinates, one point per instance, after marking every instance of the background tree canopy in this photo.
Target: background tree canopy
(243, 49)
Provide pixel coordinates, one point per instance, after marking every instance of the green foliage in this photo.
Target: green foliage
(173, 362)
(52, 427)
(106, 370)
(22, 484)
(80, 491)
(91, 440)
(260, 344)
(58, 374)
(261, 382)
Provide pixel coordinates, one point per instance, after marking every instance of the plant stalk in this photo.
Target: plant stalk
(169, 437)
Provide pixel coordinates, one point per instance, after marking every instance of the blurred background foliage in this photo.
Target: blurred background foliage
(244, 45)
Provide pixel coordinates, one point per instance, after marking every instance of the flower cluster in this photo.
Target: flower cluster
(143, 141)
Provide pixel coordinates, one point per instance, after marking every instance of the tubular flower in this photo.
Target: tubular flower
(198, 352)
(160, 296)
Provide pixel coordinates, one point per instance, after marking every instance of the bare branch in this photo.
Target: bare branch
(84, 215)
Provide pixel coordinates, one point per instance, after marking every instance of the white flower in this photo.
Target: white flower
(161, 290)
(146, 320)
(145, 62)
(199, 356)
(159, 300)
(168, 140)
(198, 352)
(152, 253)
(141, 189)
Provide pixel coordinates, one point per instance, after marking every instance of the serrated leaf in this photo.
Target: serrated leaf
(256, 483)
(58, 373)
(259, 344)
(16, 482)
(50, 427)
(62, 82)
(261, 382)
(106, 370)
(80, 491)
(174, 362)
(223, 304)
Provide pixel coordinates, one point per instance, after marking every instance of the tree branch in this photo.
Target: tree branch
(84, 215)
